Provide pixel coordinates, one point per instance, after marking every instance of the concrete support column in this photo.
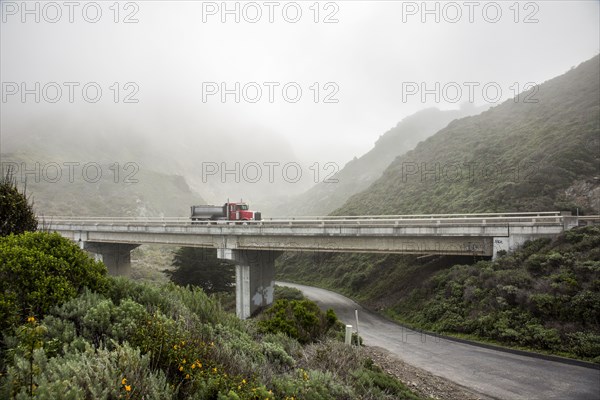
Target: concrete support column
(499, 244)
(254, 278)
(570, 221)
(116, 256)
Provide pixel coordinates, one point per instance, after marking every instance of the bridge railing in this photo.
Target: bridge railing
(421, 216)
(541, 218)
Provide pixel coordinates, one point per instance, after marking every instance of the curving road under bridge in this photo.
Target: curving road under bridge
(489, 372)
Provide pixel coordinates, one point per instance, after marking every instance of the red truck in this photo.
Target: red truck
(228, 211)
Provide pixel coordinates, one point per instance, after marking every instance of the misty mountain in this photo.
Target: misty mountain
(359, 173)
(194, 162)
(80, 188)
(539, 151)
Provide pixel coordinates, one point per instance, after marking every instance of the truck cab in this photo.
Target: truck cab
(240, 212)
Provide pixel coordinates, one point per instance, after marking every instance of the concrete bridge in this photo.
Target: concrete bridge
(254, 245)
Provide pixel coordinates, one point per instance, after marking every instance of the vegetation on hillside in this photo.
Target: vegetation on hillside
(71, 332)
(546, 296)
(517, 156)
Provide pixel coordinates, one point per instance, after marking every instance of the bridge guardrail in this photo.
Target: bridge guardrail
(366, 221)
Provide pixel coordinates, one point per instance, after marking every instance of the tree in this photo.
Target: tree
(201, 267)
(16, 213)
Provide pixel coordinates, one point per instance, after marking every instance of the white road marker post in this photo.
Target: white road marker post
(357, 335)
(348, 337)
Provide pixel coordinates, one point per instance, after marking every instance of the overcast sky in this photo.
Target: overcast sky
(368, 61)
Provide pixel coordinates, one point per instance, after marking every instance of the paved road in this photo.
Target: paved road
(489, 372)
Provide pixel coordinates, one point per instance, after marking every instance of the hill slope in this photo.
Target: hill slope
(359, 173)
(85, 188)
(516, 156)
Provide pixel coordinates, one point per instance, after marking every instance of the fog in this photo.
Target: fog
(184, 86)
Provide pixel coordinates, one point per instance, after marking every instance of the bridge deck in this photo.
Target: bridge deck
(477, 234)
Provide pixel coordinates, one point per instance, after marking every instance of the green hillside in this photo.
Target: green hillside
(517, 156)
(361, 172)
(514, 157)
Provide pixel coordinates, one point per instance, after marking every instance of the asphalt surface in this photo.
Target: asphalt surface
(489, 372)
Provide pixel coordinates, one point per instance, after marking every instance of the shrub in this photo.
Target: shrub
(277, 356)
(311, 385)
(94, 374)
(331, 355)
(586, 344)
(290, 345)
(374, 383)
(300, 319)
(40, 270)
(289, 293)
(172, 300)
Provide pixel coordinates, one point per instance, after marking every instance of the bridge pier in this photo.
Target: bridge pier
(254, 278)
(116, 256)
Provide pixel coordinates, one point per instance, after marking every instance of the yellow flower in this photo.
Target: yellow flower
(187, 376)
(123, 381)
(181, 368)
(128, 388)
(183, 361)
(215, 369)
(31, 319)
(244, 381)
(193, 366)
